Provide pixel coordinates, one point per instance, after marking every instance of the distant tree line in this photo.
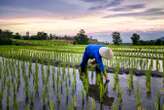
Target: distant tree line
(135, 40)
(6, 37)
(81, 37)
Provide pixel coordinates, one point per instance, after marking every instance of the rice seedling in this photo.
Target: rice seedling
(148, 82)
(103, 90)
(75, 102)
(115, 106)
(44, 98)
(82, 93)
(86, 83)
(1, 97)
(138, 99)
(31, 101)
(157, 102)
(51, 105)
(93, 104)
(130, 80)
(27, 107)
(119, 94)
(67, 94)
(36, 80)
(59, 98)
(15, 102)
(116, 78)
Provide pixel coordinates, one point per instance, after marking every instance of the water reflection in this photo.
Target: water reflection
(93, 90)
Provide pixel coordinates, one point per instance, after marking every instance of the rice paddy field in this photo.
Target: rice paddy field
(45, 75)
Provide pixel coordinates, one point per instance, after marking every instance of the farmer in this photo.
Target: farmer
(96, 53)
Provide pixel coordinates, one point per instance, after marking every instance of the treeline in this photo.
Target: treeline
(135, 40)
(81, 37)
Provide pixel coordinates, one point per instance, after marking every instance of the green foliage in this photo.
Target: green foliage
(138, 99)
(81, 38)
(130, 80)
(17, 36)
(135, 38)
(116, 38)
(52, 105)
(5, 37)
(39, 36)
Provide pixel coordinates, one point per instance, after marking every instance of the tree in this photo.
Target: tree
(27, 36)
(135, 38)
(5, 37)
(116, 38)
(42, 36)
(17, 36)
(158, 42)
(50, 36)
(81, 38)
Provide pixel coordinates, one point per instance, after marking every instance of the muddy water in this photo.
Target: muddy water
(59, 89)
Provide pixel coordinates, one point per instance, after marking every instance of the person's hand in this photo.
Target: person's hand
(106, 78)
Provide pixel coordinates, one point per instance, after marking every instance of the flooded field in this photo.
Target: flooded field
(34, 86)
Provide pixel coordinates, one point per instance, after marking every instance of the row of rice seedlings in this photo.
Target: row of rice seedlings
(74, 82)
(93, 104)
(69, 57)
(22, 74)
(139, 63)
(119, 94)
(138, 99)
(86, 83)
(26, 87)
(103, 89)
(45, 87)
(116, 77)
(130, 80)
(148, 82)
(36, 80)
(157, 104)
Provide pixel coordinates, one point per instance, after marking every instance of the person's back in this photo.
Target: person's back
(93, 50)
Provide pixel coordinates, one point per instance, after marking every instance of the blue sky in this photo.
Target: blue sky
(98, 17)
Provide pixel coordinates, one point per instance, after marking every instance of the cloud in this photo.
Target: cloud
(128, 7)
(106, 4)
(150, 13)
(41, 8)
(94, 1)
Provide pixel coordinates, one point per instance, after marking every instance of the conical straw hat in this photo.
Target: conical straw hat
(106, 52)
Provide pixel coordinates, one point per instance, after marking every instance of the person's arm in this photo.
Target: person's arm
(100, 63)
(101, 67)
(84, 62)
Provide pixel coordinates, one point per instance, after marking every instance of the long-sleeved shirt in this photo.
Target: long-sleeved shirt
(92, 51)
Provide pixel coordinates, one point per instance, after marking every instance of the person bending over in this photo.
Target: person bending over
(96, 53)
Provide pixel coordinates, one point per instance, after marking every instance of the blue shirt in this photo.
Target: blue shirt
(92, 51)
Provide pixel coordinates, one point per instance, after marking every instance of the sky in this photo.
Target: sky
(99, 18)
